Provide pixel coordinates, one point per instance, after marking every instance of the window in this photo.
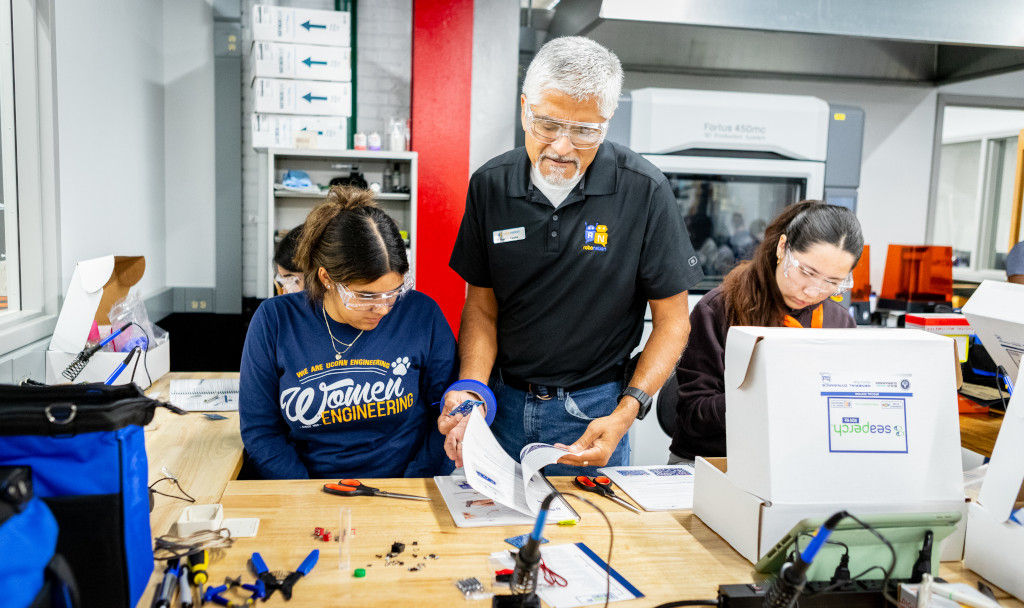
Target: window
(726, 215)
(9, 275)
(973, 185)
(29, 249)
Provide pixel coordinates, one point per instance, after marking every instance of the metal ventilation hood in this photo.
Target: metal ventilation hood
(898, 41)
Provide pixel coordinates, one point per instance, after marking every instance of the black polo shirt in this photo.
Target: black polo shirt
(572, 283)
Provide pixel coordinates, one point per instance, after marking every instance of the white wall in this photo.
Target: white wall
(110, 133)
(189, 164)
(493, 121)
(898, 136)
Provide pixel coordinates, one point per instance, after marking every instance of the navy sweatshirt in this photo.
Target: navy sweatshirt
(304, 413)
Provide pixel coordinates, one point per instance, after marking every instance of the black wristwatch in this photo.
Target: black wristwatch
(639, 395)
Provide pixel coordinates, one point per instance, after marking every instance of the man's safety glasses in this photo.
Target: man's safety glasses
(361, 300)
(812, 282)
(582, 135)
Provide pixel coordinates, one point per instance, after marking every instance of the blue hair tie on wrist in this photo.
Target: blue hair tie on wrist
(490, 401)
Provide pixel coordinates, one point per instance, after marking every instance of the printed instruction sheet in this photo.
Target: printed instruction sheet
(667, 487)
(586, 577)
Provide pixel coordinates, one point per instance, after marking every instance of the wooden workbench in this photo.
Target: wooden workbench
(978, 432)
(668, 556)
(204, 454)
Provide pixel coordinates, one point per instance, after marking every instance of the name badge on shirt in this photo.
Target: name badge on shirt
(509, 234)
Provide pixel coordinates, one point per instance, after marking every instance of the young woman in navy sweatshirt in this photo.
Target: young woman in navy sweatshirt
(339, 380)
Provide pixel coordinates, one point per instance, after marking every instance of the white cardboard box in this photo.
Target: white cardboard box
(303, 26)
(313, 132)
(857, 419)
(313, 97)
(996, 312)
(752, 525)
(995, 544)
(302, 61)
(95, 286)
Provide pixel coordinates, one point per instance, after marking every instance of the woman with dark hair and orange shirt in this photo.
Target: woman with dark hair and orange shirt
(806, 257)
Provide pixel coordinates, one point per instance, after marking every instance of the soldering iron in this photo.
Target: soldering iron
(793, 575)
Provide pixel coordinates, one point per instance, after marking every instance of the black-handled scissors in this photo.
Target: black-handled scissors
(354, 487)
(602, 486)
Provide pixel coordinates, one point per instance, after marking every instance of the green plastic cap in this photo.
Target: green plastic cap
(359, 573)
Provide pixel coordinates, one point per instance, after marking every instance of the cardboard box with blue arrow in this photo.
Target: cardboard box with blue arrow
(302, 61)
(312, 97)
(301, 26)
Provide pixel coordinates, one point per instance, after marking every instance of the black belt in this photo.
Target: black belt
(547, 391)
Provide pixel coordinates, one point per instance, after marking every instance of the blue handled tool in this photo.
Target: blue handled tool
(272, 583)
(120, 368)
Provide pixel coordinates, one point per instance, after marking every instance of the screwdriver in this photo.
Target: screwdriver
(197, 564)
(184, 591)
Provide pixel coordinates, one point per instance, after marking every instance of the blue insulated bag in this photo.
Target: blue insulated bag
(85, 448)
(31, 574)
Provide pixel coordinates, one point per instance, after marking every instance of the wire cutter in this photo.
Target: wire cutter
(354, 487)
(270, 580)
(602, 486)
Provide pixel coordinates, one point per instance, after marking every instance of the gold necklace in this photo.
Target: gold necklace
(337, 355)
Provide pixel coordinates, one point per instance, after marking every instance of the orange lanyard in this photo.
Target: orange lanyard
(817, 319)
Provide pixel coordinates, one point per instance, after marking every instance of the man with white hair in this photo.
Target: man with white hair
(564, 243)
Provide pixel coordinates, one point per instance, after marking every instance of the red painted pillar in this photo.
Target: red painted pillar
(442, 67)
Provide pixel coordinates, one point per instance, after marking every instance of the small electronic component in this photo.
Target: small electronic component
(465, 407)
(397, 547)
(359, 573)
(470, 587)
(519, 541)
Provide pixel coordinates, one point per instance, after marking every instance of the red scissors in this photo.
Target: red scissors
(602, 486)
(354, 487)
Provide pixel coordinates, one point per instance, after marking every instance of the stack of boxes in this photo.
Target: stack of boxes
(301, 78)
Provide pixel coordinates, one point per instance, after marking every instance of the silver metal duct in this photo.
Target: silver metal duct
(910, 41)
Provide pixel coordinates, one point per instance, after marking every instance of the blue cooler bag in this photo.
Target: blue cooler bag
(32, 575)
(84, 445)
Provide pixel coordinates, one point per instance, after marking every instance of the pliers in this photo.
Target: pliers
(271, 582)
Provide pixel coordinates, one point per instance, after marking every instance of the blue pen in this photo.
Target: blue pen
(120, 368)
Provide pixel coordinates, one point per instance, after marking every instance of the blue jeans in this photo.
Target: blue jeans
(524, 418)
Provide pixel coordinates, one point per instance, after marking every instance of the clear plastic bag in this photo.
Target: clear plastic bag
(131, 309)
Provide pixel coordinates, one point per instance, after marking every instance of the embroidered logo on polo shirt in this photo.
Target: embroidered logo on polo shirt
(509, 234)
(595, 237)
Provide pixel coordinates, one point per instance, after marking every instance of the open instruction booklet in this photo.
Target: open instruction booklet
(489, 471)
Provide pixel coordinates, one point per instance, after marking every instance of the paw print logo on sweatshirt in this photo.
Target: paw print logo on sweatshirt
(400, 366)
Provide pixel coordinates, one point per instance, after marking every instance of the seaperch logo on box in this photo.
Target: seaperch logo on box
(867, 424)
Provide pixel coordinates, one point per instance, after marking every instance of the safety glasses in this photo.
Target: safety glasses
(287, 284)
(811, 282)
(362, 300)
(582, 135)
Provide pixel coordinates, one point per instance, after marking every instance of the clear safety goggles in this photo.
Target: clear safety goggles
(288, 284)
(582, 135)
(362, 300)
(810, 281)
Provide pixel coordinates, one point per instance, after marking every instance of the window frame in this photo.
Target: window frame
(974, 272)
(28, 88)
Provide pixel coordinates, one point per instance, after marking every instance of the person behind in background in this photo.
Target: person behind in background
(564, 243)
(287, 275)
(1015, 264)
(338, 380)
(806, 257)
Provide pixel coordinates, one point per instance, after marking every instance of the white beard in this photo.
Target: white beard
(557, 179)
